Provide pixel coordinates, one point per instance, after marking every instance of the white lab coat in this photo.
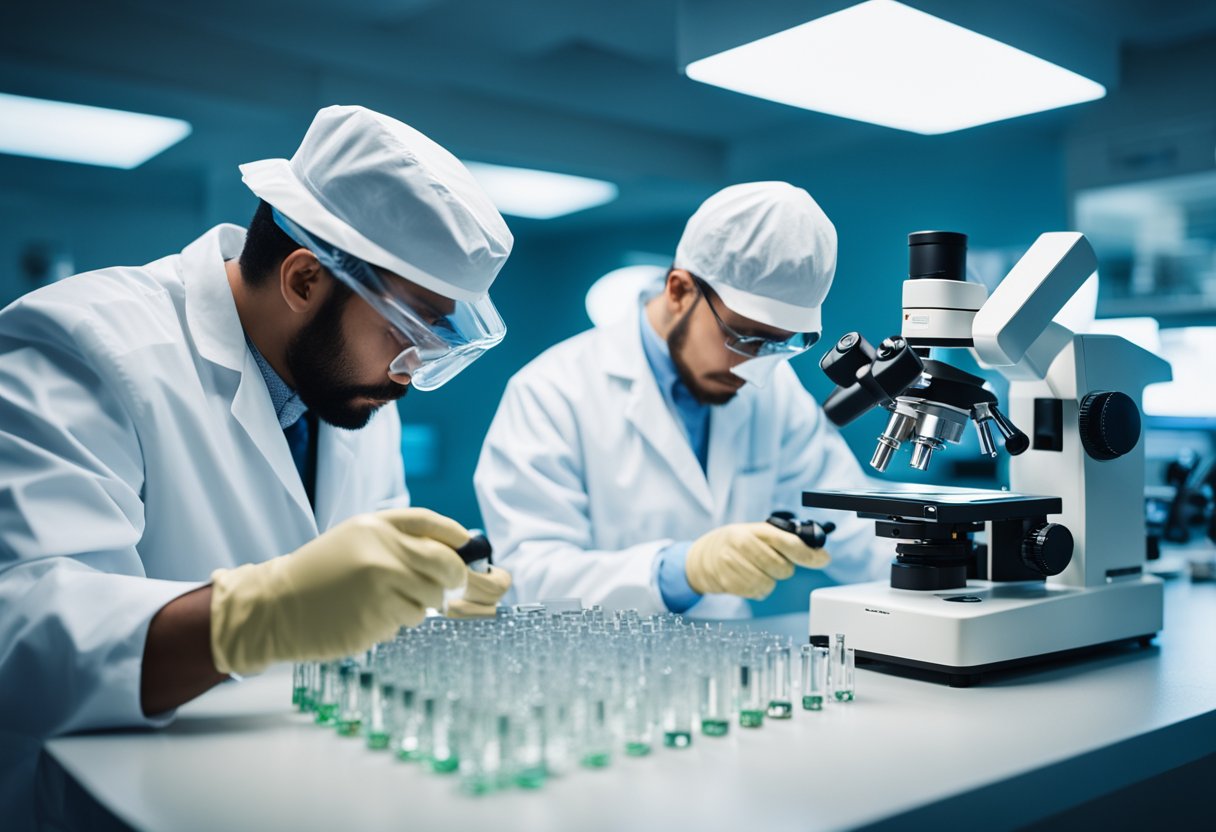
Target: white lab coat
(139, 451)
(586, 475)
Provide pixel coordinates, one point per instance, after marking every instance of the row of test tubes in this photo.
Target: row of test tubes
(518, 699)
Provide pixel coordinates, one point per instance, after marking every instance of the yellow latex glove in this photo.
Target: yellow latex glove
(747, 559)
(481, 594)
(349, 588)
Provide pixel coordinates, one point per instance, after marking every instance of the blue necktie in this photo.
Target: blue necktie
(695, 419)
(297, 441)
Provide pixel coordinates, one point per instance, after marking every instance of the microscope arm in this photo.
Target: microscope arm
(1023, 305)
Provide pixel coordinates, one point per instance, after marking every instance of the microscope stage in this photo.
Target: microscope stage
(985, 626)
(940, 504)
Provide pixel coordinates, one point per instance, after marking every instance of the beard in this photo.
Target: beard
(323, 371)
(676, 340)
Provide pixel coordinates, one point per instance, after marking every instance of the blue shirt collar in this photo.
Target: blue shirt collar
(692, 415)
(287, 405)
(658, 356)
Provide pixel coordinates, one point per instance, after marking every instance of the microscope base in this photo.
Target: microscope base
(1008, 623)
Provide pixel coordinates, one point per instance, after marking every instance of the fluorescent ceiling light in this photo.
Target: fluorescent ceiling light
(539, 194)
(90, 135)
(889, 64)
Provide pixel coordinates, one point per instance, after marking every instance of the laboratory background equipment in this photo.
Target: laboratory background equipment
(536, 693)
(1063, 566)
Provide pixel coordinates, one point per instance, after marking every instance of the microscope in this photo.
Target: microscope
(1061, 566)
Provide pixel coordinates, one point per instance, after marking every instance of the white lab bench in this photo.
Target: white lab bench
(1019, 748)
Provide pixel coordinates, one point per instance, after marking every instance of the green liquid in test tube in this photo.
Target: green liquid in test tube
(715, 681)
(379, 707)
(815, 661)
(777, 673)
(751, 718)
(407, 722)
(638, 724)
(752, 703)
(445, 754)
(842, 670)
(350, 719)
(299, 684)
(530, 769)
(327, 700)
(676, 703)
(597, 736)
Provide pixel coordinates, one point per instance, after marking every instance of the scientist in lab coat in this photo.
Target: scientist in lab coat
(189, 449)
(634, 465)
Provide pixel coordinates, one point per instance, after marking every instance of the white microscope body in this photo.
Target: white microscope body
(1078, 398)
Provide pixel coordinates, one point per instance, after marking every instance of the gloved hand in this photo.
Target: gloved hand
(747, 559)
(349, 588)
(481, 594)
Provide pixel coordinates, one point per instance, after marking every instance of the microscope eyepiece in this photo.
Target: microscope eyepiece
(941, 255)
(851, 353)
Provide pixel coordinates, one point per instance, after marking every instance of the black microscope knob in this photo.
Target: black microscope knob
(783, 520)
(1110, 424)
(1047, 548)
(477, 548)
(815, 535)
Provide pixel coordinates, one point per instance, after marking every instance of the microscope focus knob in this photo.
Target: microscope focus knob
(1047, 548)
(1110, 424)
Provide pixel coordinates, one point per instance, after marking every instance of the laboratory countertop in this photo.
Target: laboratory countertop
(1020, 747)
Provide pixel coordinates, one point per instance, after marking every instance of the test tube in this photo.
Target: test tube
(842, 670)
(482, 762)
(638, 724)
(377, 710)
(312, 693)
(445, 713)
(299, 684)
(327, 697)
(407, 722)
(559, 737)
(350, 717)
(427, 707)
(815, 660)
(715, 679)
(676, 705)
(777, 673)
(528, 762)
(597, 733)
(752, 703)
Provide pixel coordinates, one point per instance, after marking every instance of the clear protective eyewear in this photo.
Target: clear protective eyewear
(436, 346)
(756, 346)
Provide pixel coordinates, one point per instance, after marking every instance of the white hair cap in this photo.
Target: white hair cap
(767, 249)
(382, 191)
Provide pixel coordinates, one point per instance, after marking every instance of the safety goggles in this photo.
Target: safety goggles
(756, 346)
(436, 345)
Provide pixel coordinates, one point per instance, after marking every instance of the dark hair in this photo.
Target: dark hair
(266, 247)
